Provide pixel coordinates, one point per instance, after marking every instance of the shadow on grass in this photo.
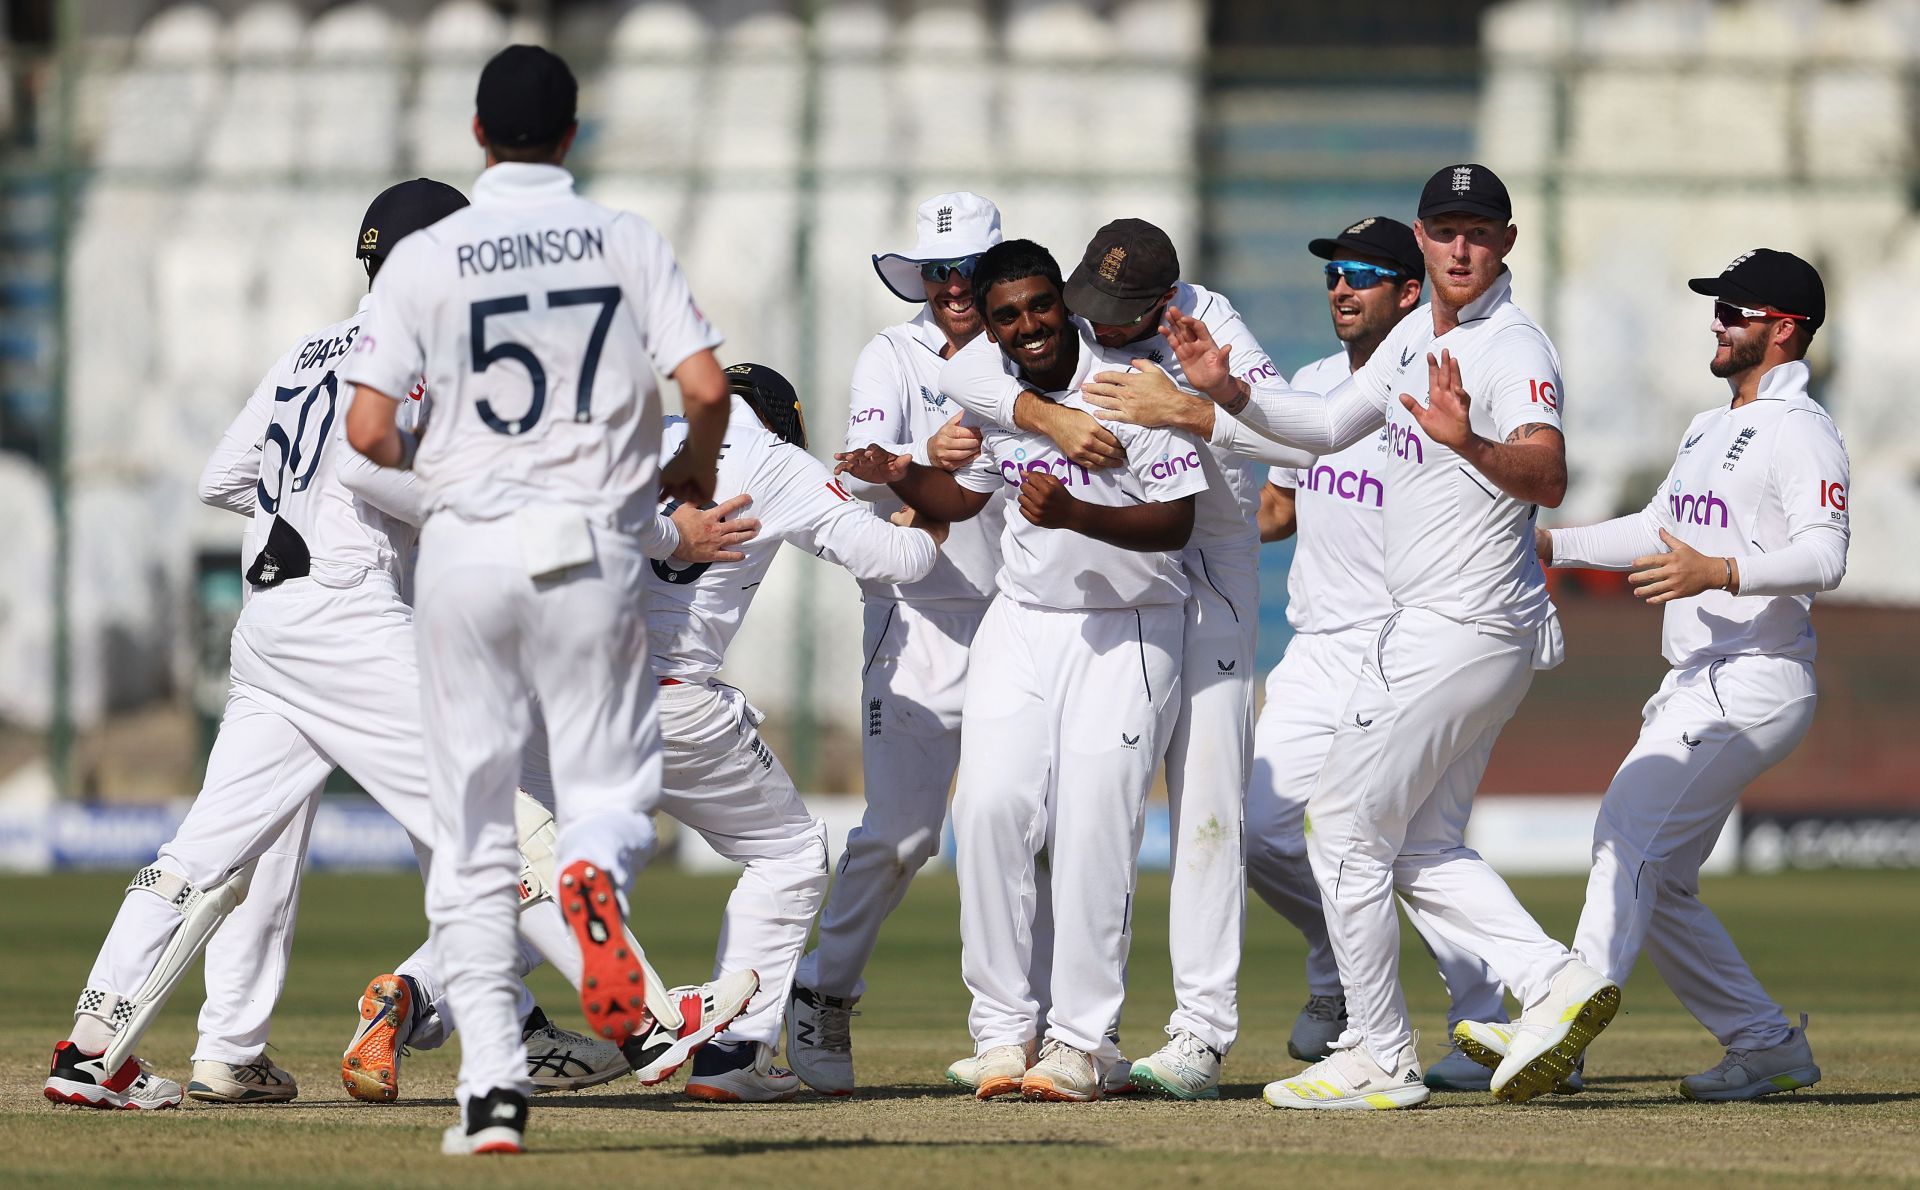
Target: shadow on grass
(751, 1148)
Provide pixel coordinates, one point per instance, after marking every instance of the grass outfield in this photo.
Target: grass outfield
(1839, 945)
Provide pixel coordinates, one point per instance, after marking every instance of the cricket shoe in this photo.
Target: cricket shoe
(705, 1009)
(1062, 1075)
(613, 984)
(493, 1124)
(1485, 1044)
(1458, 1072)
(820, 1039)
(740, 1072)
(258, 1081)
(1185, 1068)
(81, 1079)
(1116, 1074)
(996, 1070)
(560, 1060)
(370, 1068)
(1350, 1080)
(1318, 1026)
(1550, 1037)
(1749, 1074)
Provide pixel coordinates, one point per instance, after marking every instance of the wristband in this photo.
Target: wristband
(1729, 584)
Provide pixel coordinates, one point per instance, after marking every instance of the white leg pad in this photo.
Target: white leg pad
(201, 912)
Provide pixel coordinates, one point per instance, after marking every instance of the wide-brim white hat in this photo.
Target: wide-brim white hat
(950, 226)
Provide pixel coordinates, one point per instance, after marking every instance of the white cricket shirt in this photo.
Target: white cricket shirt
(694, 610)
(285, 457)
(897, 403)
(982, 380)
(1456, 544)
(1337, 580)
(1064, 570)
(538, 319)
(1752, 483)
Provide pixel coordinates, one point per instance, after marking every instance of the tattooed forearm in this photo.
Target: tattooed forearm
(1527, 431)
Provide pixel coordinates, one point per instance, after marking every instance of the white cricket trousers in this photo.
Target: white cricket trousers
(1305, 694)
(912, 688)
(1066, 716)
(1390, 815)
(724, 782)
(1208, 760)
(321, 676)
(1705, 735)
(490, 638)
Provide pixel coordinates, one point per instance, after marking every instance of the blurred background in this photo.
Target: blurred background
(181, 185)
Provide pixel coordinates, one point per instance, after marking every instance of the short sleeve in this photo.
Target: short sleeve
(1291, 478)
(672, 325)
(1167, 464)
(388, 356)
(1518, 382)
(876, 409)
(982, 472)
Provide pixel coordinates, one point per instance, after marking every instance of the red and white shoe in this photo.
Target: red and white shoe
(81, 1079)
(494, 1125)
(613, 983)
(705, 1009)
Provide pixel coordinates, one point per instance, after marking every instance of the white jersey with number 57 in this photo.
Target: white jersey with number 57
(538, 319)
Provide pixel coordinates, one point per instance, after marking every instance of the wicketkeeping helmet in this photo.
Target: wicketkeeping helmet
(773, 398)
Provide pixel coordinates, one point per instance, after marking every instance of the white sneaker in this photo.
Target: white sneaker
(259, 1081)
(705, 1009)
(740, 1073)
(560, 1060)
(1485, 1043)
(1116, 1076)
(820, 1039)
(1458, 1072)
(83, 1080)
(1185, 1068)
(1319, 1025)
(1550, 1037)
(1749, 1074)
(1350, 1080)
(997, 1070)
(1062, 1075)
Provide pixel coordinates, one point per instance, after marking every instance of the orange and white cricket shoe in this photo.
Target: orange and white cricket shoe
(370, 1068)
(613, 982)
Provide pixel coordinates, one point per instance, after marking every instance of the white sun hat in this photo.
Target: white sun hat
(951, 226)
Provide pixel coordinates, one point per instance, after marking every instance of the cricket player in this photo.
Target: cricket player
(1468, 388)
(1127, 279)
(1336, 601)
(1747, 527)
(538, 319)
(323, 673)
(1073, 690)
(916, 635)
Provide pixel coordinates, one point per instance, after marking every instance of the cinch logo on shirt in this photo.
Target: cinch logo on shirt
(867, 415)
(1065, 470)
(1833, 495)
(1266, 371)
(1405, 443)
(1347, 485)
(1172, 465)
(1689, 509)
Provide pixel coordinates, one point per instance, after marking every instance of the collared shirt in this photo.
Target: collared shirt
(538, 319)
(897, 403)
(1456, 544)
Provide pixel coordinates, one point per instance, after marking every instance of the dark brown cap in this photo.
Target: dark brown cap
(1128, 264)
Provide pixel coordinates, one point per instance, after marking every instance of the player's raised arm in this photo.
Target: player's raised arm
(1529, 465)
